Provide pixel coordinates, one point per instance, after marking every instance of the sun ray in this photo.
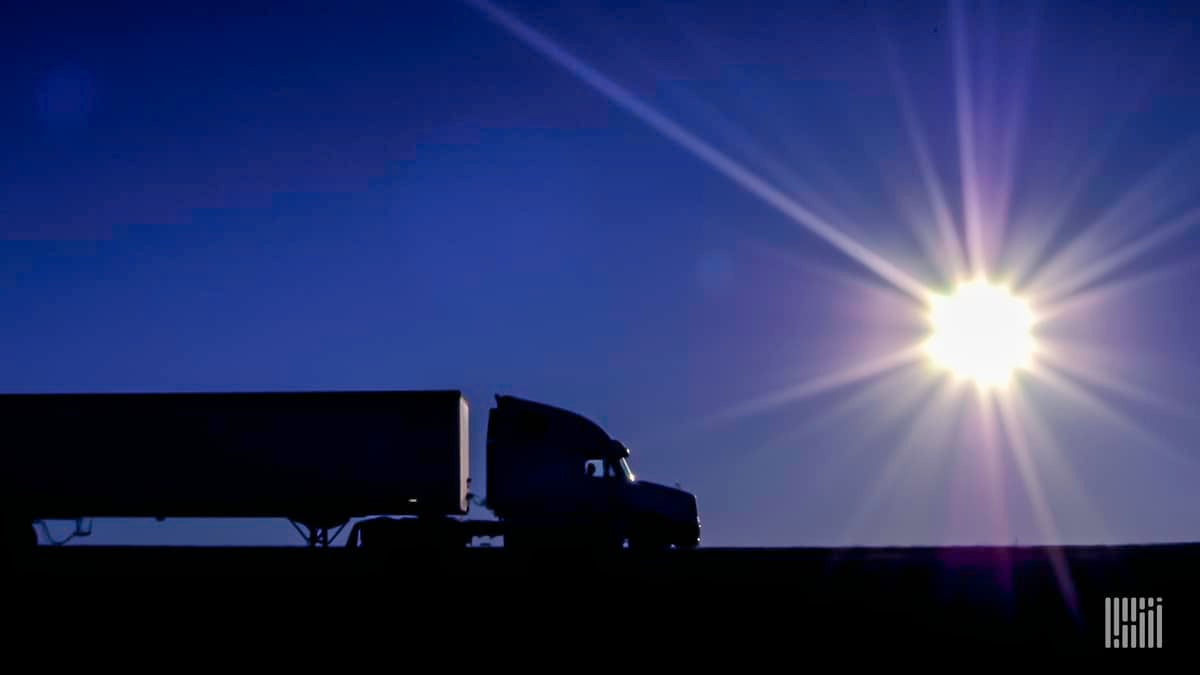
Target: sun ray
(1049, 220)
(1138, 206)
(1019, 445)
(821, 384)
(950, 245)
(1065, 357)
(890, 390)
(703, 150)
(1146, 439)
(904, 454)
(991, 120)
(906, 309)
(968, 168)
(878, 410)
(1015, 120)
(1157, 236)
(1089, 299)
(768, 165)
(1067, 191)
(883, 395)
(1052, 451)
(993, 454)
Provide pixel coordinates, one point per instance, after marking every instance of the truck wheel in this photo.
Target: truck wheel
(522, 539)
(648, 543)
(538, 540)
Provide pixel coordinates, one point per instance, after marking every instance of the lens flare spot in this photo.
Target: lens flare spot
(980, 332)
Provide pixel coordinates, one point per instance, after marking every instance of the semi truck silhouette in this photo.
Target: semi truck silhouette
(397, 462)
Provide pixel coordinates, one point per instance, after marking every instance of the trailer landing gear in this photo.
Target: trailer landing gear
(316, 533)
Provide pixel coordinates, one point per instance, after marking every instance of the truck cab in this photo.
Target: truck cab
(557, 478)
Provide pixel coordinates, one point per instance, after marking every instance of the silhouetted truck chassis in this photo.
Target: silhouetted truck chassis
(398, 462)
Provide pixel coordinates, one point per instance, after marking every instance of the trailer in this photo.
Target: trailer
(397, 459)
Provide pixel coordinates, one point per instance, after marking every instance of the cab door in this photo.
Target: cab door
(600, 502)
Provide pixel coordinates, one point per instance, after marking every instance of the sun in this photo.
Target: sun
(980, 332)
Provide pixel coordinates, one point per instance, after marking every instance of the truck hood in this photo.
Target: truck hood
(671, 503)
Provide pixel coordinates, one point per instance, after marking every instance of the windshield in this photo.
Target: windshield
(623, 467)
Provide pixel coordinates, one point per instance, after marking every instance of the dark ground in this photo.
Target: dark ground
(921, 596)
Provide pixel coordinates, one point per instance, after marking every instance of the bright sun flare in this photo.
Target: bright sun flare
(981, 332)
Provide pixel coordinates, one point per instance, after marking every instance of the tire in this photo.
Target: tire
(648, 543)
(535, 539)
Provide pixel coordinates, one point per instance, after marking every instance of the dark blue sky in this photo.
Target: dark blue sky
(405, 195)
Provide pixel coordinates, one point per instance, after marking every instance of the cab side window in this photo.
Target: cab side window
(593, 468)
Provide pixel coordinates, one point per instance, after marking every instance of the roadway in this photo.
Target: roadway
(1027, 595)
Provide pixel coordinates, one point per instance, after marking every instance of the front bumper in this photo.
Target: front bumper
(690, 538)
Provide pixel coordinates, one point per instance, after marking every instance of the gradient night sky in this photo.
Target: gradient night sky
(406, 195)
